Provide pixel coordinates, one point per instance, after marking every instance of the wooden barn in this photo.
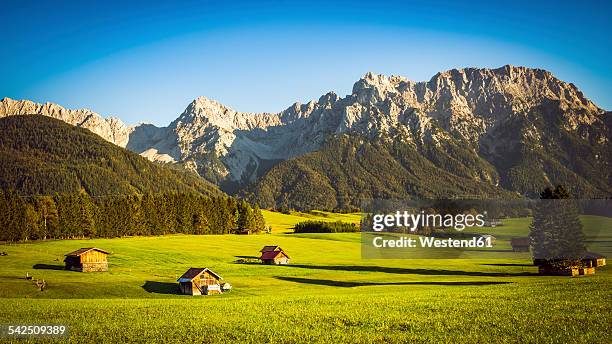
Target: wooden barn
(520, 244)
(558, 270)
(553, 270)
(593, 260)
(588, 260)
(200, 281)
(88, 259)
(274, 255)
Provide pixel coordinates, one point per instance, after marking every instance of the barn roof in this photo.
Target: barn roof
(271, 248)
(81, 251)
(272, 254)
(193, 272)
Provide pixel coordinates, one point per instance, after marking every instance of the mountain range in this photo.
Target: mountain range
(472, 132)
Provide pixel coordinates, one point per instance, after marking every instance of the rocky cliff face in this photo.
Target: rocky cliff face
(111, 129)
(497, 113)
(470, 104)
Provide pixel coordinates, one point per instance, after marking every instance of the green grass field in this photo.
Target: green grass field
(327, 294)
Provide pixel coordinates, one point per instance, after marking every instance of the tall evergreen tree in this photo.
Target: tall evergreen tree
(556, 230)
(12, 207)
(47, 210)
(86, 215)
(246, 218)
(260, 222)
(29, 222)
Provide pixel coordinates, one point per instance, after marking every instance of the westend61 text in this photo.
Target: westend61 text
(431, 242)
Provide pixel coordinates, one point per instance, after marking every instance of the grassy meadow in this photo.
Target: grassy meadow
(327, 294)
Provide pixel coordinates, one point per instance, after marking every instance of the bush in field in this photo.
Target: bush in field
(325, 227)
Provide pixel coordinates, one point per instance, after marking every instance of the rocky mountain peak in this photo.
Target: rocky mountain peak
(328, 99)
(466, 104)
(111, 129)
(512, 83)
(205, 109)
(373, 88)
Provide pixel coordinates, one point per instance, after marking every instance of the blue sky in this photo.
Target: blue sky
(147, 60)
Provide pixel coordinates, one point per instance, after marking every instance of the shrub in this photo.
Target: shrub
(325, 227)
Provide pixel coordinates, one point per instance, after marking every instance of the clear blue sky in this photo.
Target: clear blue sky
(147, 60)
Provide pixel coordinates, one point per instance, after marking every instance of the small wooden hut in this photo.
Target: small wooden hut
(88, 259)
(274, 255)
(270, 248)
(520, 244)
(200, 281)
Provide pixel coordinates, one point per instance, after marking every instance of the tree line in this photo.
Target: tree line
(65, 216)
(325, 227)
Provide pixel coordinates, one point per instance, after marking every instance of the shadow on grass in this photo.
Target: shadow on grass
(490, 250)
(345, 284)
(48, 267)
(508, 264)
(410, 271)
(161, 287)
(247, 257)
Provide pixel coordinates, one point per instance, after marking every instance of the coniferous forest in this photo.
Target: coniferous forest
(64, 216)
(40, 155)
(58, 181)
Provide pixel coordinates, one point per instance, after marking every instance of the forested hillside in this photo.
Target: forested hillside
(350, 169)
(40, 155)
(536, 150)
(60, 181)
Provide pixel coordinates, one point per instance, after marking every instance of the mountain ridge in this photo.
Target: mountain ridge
(473, 106)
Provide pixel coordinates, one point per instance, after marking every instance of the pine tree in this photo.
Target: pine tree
(29, 224)
(86, 216)
(47, 210)
(556, 230)
(4, 219)
(246, 218)
(12, 219)
(259, 221)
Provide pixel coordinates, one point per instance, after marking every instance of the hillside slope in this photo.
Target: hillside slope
(348, 170)
(42, 155)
